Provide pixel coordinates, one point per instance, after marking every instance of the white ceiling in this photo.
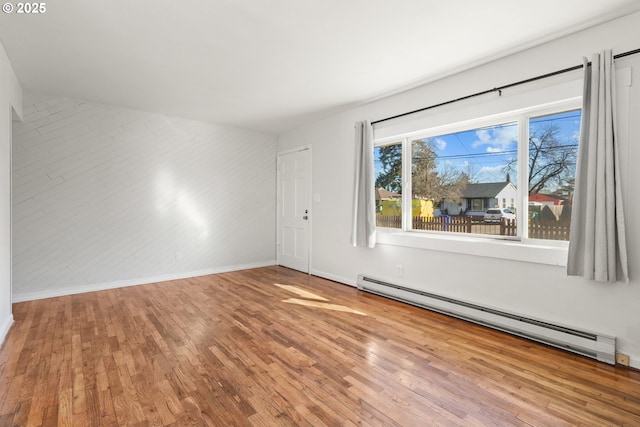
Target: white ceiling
(271, 65)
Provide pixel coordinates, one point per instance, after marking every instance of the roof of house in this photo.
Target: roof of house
(483, 190)
(548, 196)
(382, 194)
(541, 197)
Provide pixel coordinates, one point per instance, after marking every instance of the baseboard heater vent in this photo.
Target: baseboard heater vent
(590, 344)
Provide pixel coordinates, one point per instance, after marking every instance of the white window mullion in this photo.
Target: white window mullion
(406, 185)
(522, 214)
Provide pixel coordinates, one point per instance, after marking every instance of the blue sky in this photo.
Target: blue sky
(485, 152)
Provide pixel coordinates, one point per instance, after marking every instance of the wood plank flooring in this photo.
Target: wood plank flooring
(273, 347)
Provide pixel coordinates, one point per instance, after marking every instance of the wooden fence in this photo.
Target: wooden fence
(455, 224)
(550, 230)
(389, 221)
(539, 229)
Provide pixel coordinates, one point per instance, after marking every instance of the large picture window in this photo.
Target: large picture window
(509, 177)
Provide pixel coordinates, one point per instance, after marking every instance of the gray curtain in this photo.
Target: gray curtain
(597, 249)
(363, 232)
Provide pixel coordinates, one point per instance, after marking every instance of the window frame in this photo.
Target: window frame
(534, 250)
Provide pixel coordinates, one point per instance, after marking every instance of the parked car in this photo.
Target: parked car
(496, 215)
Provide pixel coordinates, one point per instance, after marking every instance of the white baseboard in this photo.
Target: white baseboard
(52, 293)
(634, 362)
(4, 328)
(329, 276)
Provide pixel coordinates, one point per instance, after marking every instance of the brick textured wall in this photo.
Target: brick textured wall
(102, 194)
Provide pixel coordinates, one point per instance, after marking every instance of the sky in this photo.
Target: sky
(485, 152)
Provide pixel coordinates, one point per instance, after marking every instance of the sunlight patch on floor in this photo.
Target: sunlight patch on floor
(323, 305)
(309, 299)
(301, 292)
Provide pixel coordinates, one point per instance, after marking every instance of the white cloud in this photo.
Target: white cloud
(483, 138)
(439, 143)
(495, 149)
(498, 138)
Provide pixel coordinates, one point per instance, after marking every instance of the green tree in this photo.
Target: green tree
(565, 190)
(390, 157)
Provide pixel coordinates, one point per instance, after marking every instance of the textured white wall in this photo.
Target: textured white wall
(537, 290)
(10, 98)
(106, 196)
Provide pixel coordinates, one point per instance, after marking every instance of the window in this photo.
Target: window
(388, 170)
(447, 179)
(553, 151)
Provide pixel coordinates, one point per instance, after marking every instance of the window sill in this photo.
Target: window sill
(554, 253)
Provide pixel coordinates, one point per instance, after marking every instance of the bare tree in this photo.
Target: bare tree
(551, 163)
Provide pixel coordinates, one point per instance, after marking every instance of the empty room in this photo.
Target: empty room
(319, 213)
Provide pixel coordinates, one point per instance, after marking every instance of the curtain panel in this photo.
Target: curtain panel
(363, 230)
(597, 249)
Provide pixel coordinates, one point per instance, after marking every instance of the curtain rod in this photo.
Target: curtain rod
(499, 89)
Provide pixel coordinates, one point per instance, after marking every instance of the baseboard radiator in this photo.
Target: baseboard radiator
(590, 344)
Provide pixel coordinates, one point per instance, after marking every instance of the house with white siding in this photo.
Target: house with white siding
(479, 197)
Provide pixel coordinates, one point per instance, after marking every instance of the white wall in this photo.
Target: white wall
(539, 290)
(10, 99)
(106, 196)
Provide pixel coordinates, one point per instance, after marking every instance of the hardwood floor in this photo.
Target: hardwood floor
(273, 347)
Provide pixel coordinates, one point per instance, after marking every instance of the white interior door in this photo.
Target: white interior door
(294, 209)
